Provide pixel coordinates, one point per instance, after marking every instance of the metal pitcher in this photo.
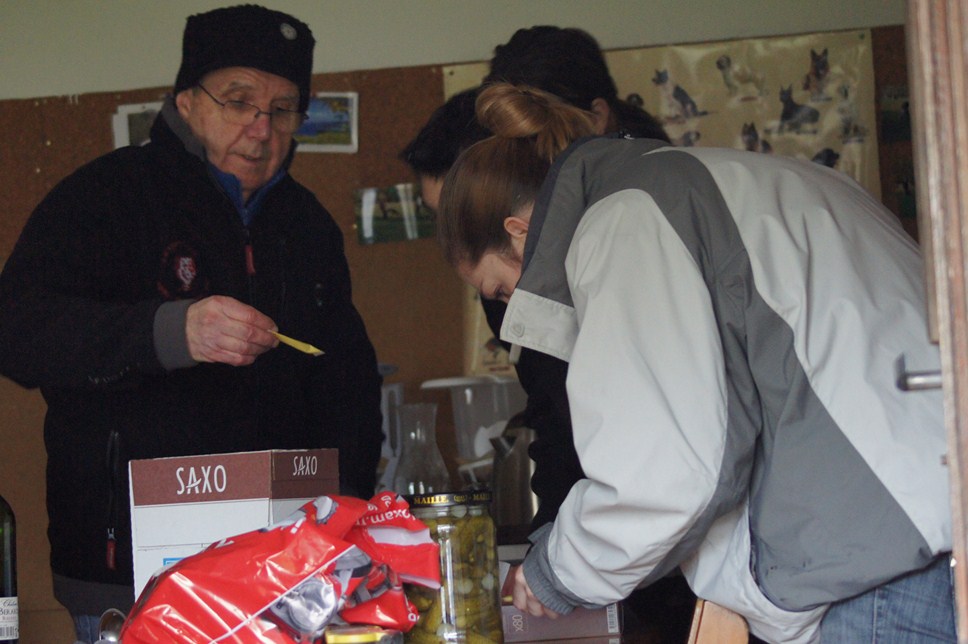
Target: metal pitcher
(514, 504)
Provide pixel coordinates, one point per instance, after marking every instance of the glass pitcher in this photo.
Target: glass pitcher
(421, 469)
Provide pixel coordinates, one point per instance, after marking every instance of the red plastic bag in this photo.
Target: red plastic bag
(326, 563)
(390, 534)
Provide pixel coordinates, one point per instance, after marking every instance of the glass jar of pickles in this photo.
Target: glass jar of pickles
(466, 608)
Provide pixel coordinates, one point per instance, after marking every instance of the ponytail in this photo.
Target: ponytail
(497, 177)
(521, 112)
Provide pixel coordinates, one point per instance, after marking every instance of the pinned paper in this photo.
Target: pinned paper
(393, 213)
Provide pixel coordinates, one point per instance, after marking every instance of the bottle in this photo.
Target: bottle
(467, 606)
(9, 613)
(421, 469)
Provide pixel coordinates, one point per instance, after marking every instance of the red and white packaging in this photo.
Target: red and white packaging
(336, 560)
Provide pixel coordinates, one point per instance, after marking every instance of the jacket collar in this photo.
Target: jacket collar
(227, 183)
(541, 313)
(170, 117)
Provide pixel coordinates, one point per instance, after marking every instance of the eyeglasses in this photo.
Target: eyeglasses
(242, 113)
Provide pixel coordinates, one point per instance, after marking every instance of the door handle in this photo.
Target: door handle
(914, 380)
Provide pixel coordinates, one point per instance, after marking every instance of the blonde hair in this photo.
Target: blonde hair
(497, 177)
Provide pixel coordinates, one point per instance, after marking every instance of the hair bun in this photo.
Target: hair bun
(523, 112)
(513, 111)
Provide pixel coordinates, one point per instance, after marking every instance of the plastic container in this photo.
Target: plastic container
(479, 402)
(467, 606)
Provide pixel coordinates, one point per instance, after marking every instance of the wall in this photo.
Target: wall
(65, 66)
(52, 47)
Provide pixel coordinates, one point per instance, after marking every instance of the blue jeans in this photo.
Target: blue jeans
(918, 608)
(87, 628)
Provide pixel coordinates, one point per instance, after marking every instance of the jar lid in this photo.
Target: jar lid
(362, 633)
(444, 499)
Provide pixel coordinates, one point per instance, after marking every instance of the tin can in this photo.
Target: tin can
(467, 606)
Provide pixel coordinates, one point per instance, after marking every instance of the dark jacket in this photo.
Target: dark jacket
(556, 465)
(91, 287)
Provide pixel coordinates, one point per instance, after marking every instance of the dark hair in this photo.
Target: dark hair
(569, 63)
(497, 177)
(451, 128)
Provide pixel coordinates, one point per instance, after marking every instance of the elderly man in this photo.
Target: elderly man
(142, 296)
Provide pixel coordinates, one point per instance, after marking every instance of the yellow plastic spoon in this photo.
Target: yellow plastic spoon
(296, 344)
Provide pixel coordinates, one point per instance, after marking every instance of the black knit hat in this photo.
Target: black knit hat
(567, 62)
(247, 36)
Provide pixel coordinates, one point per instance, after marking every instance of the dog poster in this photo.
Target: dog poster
(809, 96)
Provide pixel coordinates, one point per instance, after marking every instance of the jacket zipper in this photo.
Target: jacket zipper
(282, 285)
(113, 462)
(249, 263)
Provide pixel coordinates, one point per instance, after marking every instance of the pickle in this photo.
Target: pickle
(420, 636)
(471, 618)
(475, 638)
(421, 601)
(432, 618)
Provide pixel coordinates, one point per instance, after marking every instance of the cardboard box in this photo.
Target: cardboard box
(584, 626)
(181, 505)
(605, 622)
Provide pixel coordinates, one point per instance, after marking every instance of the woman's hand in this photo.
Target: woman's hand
(524, 599)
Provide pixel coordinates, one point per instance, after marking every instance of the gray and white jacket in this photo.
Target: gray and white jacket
(732, 321)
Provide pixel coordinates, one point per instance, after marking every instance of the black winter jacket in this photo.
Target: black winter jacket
(82, 317)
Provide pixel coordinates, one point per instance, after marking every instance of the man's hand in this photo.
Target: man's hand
(524, 599)
(222, 329)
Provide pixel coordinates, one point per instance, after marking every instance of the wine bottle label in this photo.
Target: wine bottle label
(9, 622)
